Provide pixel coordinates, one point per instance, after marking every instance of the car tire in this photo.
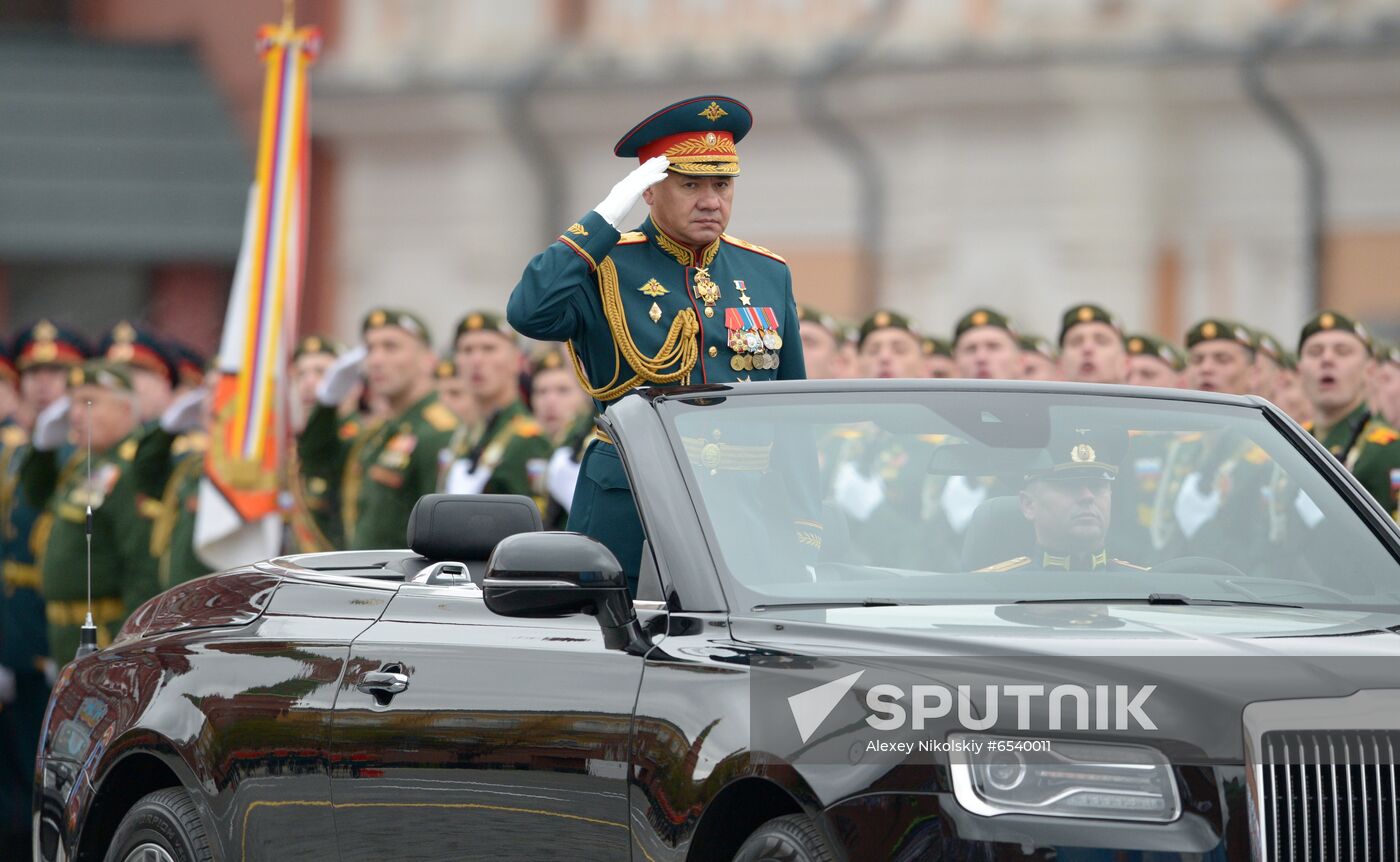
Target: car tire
(163, 826)
(793, 838)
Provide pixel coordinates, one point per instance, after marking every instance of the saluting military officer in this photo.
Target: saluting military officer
(678, 301)
(104, 405)
(1069, 506)
(1334, 356)
(148, 361)
(393, 460)
(508, 448)
(1092, 346)
(313, 504)
(986, 346)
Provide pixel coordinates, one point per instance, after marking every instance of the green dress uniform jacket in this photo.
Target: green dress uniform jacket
(513, 448)
(638, 308)
(167, 471)
(123, 573)
(1370, 449)
(382, 471)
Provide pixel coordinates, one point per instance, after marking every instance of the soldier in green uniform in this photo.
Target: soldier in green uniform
(677, 301)
(43, 354)
(1387, 383)
(149, 363)
(565, 415)
(1039, 361)
(382, 471)
(1154, 362)
(509, 451)
(821, 345)
(986, 346)
(313, 504)
(1069, 505)
(1334, 356)
(1210, 499)
(1092, 346)
(104, 404)
(938, 358)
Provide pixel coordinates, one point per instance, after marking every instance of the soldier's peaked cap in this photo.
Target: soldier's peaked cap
(696, 135)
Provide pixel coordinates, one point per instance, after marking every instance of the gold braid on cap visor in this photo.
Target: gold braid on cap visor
(680, 348)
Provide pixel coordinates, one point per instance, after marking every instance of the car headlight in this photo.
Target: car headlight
(1005, 775)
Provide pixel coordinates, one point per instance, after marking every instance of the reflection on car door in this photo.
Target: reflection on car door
(509, 740)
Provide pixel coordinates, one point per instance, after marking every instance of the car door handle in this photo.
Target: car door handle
(383, 682)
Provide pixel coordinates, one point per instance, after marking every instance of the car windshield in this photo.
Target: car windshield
(834, 498)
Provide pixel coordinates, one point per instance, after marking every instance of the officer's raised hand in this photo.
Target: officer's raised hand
(341, 377)
(51, 425)
(619, 202)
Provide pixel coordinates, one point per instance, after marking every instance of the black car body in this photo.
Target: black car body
(366, 705)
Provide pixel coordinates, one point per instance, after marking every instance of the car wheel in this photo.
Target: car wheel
(793, 838)
(161, 827)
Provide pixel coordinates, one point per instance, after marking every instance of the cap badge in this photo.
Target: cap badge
(882, 319)
(1085, 314)
(979, 318)
(1209, 329)
(378, 318)
(711, 138)
(45, 331)
(713, 112)
(1135, 346)
(475, 322)
(124, 333)
(313, 344)
(1081, 453)
(75, 377)
(1327, 321)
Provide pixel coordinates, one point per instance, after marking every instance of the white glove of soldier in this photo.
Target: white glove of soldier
(51, 425)
(561, 476)
(461, 480)
(858, 495)
(1194, 507)
(185, 413)
(626, 193)
(341, 377)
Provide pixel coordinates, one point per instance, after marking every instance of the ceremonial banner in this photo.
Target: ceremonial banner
(239, 518)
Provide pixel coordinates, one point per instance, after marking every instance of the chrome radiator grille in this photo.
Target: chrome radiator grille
(1329, 795)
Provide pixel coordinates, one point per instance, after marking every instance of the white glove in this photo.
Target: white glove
(51, 425)
(858, 495)
(561, 476)
(960, 498)
(626, 193)
(1195, 507)
(185, 413)
(341, 377)
(460, 480)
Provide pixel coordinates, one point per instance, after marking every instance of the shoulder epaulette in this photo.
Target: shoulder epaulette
(935, 439)
(1134, 566)
(440, 417)
(632, 237)
(127, 450)
(748, 246)
(13, 436)
(349, 429)
(1007, 565)
(1383, 436)
(1308, 426)
(524, 426)
(1256, 455)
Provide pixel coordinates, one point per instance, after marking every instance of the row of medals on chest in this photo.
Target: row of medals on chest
(755, 347)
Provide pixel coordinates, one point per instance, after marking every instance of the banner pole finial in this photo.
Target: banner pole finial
(289, 13)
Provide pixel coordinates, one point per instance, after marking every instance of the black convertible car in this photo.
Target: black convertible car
(494, 692)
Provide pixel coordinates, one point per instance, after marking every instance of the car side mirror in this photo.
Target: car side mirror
(557, 574)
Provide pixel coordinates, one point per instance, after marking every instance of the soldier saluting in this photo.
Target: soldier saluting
(676, 302)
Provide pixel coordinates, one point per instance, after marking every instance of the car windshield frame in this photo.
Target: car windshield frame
(670, 405)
